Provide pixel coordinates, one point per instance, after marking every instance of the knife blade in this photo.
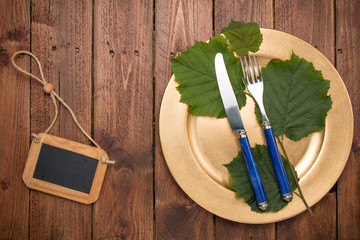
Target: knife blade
(233, 114)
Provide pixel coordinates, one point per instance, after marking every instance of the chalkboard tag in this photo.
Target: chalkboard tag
(65, 168)
(59, 166)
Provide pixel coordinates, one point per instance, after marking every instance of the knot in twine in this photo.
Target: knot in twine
(49, 89)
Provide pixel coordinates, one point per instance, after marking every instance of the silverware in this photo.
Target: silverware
(255, 85)
(233, 114)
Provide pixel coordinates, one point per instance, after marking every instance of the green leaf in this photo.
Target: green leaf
(295, 97)
(243, 37)
(194, 70)
(240, 181)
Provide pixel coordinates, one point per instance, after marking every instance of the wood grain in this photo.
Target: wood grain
(14, 120)
(322, 225)
(62, 39)
(226, 229)
(177, 25)
(312, 21)
(123, 117)
(261, 12)
(347, 53)
(305, 20)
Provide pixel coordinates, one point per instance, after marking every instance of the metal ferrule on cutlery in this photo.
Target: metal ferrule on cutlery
(233, 114)
(256, 88)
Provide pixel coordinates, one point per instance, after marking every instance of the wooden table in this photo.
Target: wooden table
(109, 60)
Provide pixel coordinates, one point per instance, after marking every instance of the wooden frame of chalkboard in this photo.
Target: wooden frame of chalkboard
(65, 168)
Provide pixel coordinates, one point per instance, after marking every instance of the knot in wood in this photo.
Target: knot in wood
(48, 88)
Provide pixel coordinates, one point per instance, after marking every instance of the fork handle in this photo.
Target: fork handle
(278, 164)
(253, 173)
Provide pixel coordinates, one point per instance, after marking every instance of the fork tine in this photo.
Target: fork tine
(258, 69)
(251, 79)
(253, 69)
(244, 73)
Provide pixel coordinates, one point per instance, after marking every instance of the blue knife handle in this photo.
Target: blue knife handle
(253, 172)
(277, 162)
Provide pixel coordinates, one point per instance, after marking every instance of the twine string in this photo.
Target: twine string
(49, 89)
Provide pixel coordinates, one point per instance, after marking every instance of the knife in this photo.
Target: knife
(233, 114)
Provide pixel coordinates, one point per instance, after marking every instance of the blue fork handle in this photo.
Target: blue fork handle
(278, 164)
(253, 173)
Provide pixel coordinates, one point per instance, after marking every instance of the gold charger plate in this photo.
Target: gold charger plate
(195, 148)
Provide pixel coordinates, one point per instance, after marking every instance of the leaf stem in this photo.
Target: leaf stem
(300, 194)
(247, 93)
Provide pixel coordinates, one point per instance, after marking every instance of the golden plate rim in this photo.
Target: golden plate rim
(315, 184)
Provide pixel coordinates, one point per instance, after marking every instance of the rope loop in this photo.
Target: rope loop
(49, 89)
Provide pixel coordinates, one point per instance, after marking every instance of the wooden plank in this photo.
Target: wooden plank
(312, 21)
(14, 120)
(347, 45)
(177, 25)
(123, 117)
(261, 12)
(226, 229)
(62, 39)
(322, 225)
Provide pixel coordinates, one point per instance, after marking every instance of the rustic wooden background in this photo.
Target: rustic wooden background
(109, 60)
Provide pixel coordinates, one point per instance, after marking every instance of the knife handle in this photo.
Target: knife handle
(255, 180)
(280, 173)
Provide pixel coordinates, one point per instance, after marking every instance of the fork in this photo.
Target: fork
(255, 85)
